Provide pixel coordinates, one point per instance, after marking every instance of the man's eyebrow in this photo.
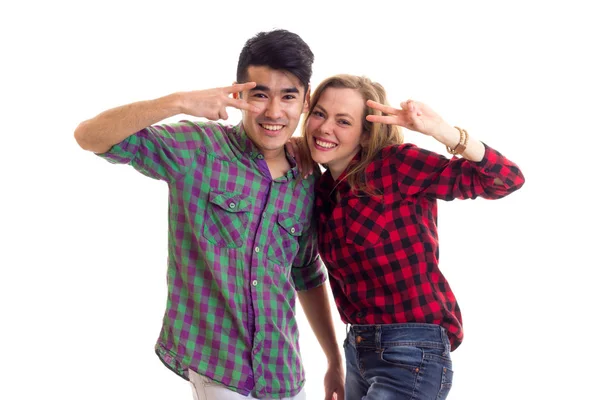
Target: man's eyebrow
(290, 90)
(263, 88)
(260, 88)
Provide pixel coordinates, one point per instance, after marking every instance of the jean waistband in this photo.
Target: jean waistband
(410, 334)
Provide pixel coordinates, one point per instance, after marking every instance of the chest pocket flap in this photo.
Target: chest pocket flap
(231, 202)
(290, 224)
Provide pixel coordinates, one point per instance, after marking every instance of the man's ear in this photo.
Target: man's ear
(236, 95)
(306, 105)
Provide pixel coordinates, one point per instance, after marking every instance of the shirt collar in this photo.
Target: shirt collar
(248, 149)
(327, 184)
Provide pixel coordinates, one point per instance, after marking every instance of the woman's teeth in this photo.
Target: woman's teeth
(327, 145)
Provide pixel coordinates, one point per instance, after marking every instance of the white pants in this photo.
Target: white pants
(206, 389)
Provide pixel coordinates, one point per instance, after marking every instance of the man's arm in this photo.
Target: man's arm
(113, 126)
(315, 304)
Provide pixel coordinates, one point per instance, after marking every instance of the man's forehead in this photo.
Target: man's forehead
(268, 79)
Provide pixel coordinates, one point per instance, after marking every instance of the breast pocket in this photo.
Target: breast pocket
(226, 221)
(365, 222)
(285, 240)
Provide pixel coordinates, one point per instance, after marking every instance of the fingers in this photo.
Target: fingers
(412, 106)
(382, 107)
(291, 149)
(242, 105)
(239, 87)
(384, 119)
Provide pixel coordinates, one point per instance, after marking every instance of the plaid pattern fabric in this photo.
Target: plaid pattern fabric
(382, 251)
(240, 245)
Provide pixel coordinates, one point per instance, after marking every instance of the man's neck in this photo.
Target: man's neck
(277, 162)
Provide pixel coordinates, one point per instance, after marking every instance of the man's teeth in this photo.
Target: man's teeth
(272, 127)
(327, 145)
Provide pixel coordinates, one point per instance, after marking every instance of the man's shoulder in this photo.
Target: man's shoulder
(208, 136)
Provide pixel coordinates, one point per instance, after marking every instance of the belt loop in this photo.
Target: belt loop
(347, 329)
(378, 336)
(445, 340)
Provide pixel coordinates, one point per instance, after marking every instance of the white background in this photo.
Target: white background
(84, 243)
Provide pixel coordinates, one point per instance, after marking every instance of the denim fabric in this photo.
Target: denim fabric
(397, 361)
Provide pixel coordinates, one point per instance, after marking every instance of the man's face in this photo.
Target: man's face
(281, 98)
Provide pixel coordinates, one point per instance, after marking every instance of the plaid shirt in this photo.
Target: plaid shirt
(382, 252)
(240, 245)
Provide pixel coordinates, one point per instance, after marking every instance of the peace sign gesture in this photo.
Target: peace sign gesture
(412, 115)
(212, 103)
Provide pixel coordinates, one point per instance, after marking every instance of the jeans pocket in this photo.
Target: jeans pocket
(446, 385)
(408, 357)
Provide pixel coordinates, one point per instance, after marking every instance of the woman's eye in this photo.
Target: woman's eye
(344, 122)
(318, 114)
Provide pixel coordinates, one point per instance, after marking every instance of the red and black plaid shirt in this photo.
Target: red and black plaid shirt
(382, 252)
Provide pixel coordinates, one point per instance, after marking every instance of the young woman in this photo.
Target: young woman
(377, 215)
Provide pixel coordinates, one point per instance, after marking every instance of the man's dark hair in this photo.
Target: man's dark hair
(278, 49)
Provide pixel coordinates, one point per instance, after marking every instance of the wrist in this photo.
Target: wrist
(174, 103)
(335, 360)
(448, 136)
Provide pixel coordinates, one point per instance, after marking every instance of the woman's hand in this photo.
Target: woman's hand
(298, 149)
(412, 115)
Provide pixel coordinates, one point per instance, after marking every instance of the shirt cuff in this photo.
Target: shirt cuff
(310, 276)
(490, 158)
(123, 152)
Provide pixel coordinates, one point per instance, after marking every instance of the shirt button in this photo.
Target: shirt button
(293, 230)
(260, 156)
(359, 315)
(254, 282)
(257, 249)
(231, 205)
(264, 215)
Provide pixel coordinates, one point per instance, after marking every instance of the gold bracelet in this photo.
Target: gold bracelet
(462, 143)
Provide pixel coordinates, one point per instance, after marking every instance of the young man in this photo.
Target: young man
(241, 237)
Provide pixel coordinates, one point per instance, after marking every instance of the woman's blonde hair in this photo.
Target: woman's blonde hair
(378, 135)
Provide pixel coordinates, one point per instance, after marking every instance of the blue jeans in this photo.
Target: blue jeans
(397, 361)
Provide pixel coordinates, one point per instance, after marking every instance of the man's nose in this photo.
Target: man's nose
(273, 109)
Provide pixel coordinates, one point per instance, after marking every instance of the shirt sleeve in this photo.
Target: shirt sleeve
(425, 172)
(308, 270)
(165, 152)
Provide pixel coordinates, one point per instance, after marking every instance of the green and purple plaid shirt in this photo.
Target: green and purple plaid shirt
(240, 245)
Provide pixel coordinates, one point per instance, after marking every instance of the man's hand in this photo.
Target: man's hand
(212, 103)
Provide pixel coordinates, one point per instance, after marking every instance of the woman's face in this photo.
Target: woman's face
(335, 128)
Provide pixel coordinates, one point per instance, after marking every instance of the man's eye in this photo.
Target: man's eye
(289, 97)
(260, 95)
